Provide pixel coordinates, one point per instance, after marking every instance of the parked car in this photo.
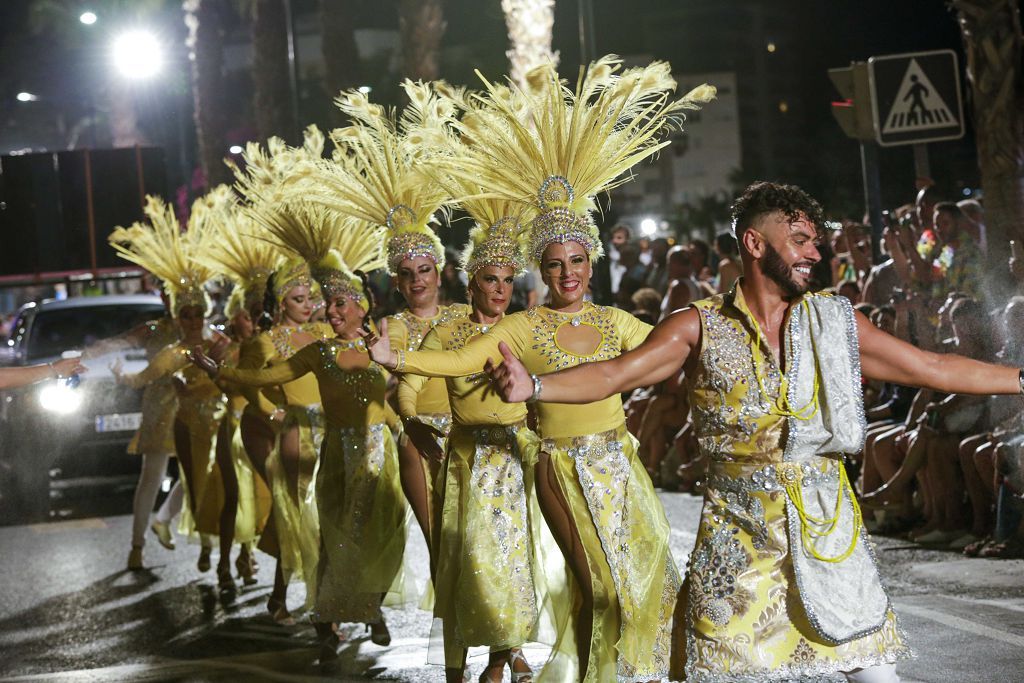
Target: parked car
(59, 437)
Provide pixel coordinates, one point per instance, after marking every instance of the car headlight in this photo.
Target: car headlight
(60, 398)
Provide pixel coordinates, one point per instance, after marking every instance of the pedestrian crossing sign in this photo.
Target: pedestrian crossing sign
(916, 97)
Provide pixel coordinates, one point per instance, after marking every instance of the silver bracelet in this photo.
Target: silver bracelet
(57, 375)
(537, 387)
(1020, 378)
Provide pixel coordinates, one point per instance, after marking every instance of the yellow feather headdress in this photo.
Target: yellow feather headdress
(267, 177)
(377, 173)
(496, 238)
(236, 252)
(169, 253)
(557, 148)
(332, 244)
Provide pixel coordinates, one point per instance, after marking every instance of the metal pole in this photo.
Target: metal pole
(90, 212)
(922, 168)
(872, 194)
(586, 30)
(293, 60)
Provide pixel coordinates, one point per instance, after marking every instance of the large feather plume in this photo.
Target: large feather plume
(591, 135)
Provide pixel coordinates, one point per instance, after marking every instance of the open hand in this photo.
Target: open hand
(425, 438)
(203, 362)
(219, 343)
(510, 379)
(379, 346)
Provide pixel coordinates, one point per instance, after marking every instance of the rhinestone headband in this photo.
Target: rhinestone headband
(557, 223)
(500, 248)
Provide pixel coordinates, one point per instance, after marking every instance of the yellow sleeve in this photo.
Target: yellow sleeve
(398, 333)
(253, 355)
(470, 359)
(411, 385)
(298, 365)
(391, 417)
(632, 330)
(167, 361)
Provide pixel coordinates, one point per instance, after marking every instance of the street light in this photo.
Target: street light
(26, 97)
(88, 18)
(365, 89)
(235, 149)
(137, 54)
(648, 226)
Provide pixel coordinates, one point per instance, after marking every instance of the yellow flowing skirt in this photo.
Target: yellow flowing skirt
(624, 533)
(202, 484)
(295, 515)
(744, 620)
(491, 584)
(362, 524)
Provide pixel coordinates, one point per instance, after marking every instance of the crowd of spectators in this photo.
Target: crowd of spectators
(944, 470)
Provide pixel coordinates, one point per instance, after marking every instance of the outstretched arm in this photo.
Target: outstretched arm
(889, 359)
(665, 351)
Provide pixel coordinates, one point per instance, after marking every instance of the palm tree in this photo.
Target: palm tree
(421, 27)
(272, 96)
(991, 31)
(529, 23)
(205, 36)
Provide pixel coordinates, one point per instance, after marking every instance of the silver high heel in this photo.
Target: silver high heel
(516, 654)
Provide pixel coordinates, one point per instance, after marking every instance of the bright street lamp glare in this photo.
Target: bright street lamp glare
(235, 149)
(88, 18)
(648, 226)
(26, 97)
(365, 89)
(137, 54)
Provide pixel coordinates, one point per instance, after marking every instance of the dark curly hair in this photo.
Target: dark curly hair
(266, 320)
(764, 197)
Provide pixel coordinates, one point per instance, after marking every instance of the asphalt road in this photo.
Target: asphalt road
(70, 612)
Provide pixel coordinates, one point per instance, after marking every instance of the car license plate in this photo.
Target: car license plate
(118, 422)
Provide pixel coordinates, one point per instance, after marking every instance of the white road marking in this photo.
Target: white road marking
(961, 624)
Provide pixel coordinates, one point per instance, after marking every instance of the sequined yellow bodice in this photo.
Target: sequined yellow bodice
(471, 402)
(533, 337)
(734, 421)
(407, 331)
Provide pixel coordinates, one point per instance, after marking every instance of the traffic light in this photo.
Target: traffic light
(853, 112)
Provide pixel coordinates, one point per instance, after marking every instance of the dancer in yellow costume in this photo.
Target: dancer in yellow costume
(238, 253)
(594, 492)
(359, 499)
(154, 440)
(166, 252)
(489, 534)
(296, 424)
(379, 177)
(782, 584)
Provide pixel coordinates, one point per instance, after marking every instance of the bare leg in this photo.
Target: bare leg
(413, 473)
(172, 504)
(947, 482)
(229, 512)
(258, 439)
(897, 487)
(981, 500)
(559, 518)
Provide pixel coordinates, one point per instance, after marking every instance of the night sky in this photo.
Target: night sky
(697, 35)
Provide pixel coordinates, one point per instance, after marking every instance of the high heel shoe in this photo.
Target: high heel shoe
(203, 565)
(279, 612)
(514, 655)
(135, 558)
(379, 634)
(225, 582)
(243, 563)
(162, 530)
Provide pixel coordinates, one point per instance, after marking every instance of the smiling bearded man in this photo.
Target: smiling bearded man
(782, 583)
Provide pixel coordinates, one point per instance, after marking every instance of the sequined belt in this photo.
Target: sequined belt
(492, 435)
(348, 432)
(771, 478)
(612, 441)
